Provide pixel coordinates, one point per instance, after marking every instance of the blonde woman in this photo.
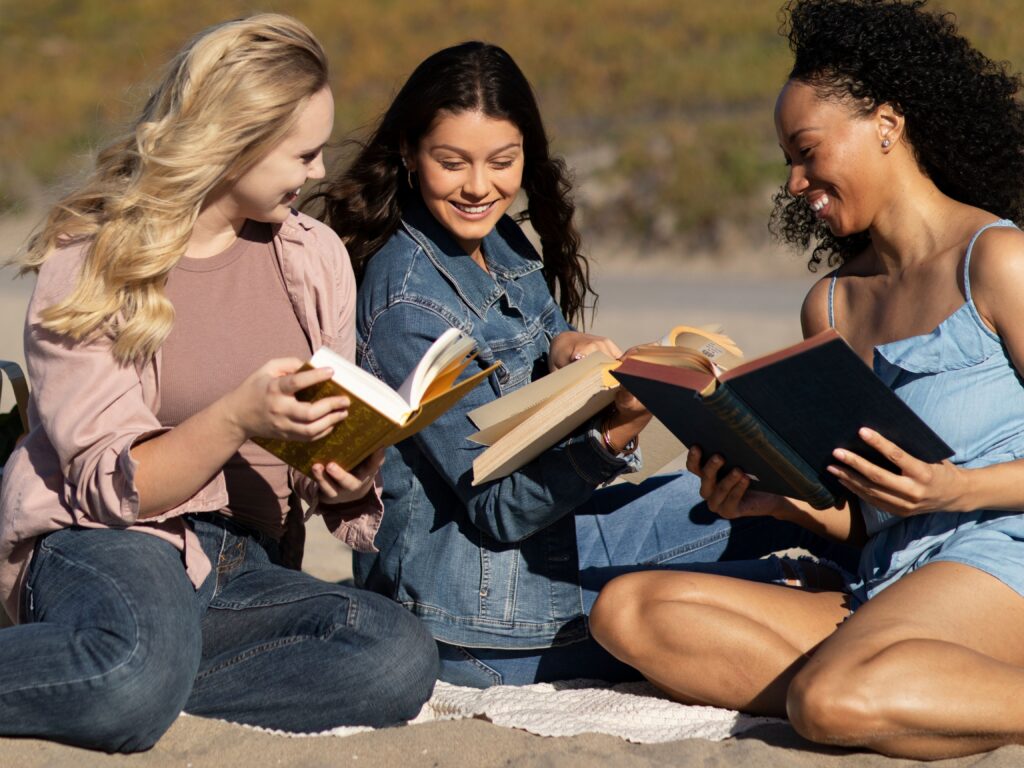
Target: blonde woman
(140, 531)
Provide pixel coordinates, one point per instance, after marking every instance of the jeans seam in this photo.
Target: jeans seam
(491, 672)
(255, 651)
(54, 551)
(692, 546)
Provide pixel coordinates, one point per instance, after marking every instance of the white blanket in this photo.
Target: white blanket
(637, 712)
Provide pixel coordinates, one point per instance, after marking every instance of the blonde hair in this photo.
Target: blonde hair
(225, 101)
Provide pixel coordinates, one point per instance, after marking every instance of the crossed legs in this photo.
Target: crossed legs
(931, 667)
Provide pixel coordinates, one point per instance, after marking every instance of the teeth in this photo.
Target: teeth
(472, 208)
(820, 203)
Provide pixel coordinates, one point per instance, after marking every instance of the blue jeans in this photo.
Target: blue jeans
(661, 523)
(118, 641)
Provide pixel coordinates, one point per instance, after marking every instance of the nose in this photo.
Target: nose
(797, 182)
(316, 169)
(476, 184)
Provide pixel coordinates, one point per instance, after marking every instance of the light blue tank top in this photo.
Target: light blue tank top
(961, 381)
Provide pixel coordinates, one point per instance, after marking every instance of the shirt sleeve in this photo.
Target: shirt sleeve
(93, 411)
(508, 509)
(356, 522)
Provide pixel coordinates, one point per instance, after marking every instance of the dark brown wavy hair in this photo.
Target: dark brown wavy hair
(364, 204)
(964, 116)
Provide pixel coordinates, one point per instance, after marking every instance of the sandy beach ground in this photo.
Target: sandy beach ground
(756, 299)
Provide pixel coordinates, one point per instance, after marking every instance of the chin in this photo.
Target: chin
(278, 216)
(478, 232)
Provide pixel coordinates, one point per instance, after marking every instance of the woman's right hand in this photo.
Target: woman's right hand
(264, 405)
(729, 497)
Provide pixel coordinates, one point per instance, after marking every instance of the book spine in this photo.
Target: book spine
(773, 449)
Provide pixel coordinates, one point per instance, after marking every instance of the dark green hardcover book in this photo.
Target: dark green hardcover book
(780, 416)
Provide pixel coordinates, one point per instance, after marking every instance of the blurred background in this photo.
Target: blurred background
(662, 107)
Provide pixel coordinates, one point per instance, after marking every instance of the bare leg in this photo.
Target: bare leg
(932, 667)
(712, 639)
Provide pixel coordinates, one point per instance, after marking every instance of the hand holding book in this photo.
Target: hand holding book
(571, 346)
(379, 416)
(338, 486)
(520, 426)
(780, 417)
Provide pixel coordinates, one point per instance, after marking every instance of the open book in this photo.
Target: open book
(523, 424)
(780, 416)
(378, 415)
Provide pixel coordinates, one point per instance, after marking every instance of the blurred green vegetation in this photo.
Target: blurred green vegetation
(662, 107)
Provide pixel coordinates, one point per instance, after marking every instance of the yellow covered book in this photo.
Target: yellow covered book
(520, 426)
(380, 416)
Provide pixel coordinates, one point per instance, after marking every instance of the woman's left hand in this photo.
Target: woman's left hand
(921, 488)
(338, 486)
(570, 346)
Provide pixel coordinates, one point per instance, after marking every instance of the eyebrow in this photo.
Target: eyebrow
(798, 131)
(460, 151)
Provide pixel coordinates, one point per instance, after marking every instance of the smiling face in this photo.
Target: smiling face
(266, 191)
(470, 169)
(836, 156)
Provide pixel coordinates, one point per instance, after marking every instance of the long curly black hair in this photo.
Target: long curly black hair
(364, 205)
(964, 117)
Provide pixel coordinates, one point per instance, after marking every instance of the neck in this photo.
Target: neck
(215, 229)
(915, 222)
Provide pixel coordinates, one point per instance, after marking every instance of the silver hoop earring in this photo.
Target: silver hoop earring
(408, 177)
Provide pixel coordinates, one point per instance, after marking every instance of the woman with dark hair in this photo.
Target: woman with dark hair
(906, 154)
(503, 573)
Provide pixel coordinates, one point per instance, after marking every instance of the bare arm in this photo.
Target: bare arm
(174, 465)
(997, 270)
(731, 498)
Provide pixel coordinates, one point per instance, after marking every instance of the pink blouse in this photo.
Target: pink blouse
(87, 411)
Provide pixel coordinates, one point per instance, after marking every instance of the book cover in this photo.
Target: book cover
(780, 416)
(379, 416)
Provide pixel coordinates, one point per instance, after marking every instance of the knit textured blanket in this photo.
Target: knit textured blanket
(636, 712)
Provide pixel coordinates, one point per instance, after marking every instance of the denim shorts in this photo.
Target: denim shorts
(992, 542)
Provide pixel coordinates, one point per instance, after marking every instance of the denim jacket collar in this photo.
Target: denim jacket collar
(507, 258)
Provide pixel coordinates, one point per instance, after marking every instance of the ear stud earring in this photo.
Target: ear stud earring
(886, 143)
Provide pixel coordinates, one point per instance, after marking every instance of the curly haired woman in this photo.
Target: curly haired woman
(140, 528)
(906, 148)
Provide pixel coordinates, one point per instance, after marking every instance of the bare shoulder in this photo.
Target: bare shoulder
(998, 253)
(814, 311)
(996, 273)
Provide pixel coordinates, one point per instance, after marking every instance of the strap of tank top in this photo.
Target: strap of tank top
(831, 294)
(970, 248)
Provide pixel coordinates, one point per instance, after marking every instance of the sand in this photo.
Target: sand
(757, 301)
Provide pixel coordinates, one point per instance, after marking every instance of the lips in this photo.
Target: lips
(819, 203)
(472, 212)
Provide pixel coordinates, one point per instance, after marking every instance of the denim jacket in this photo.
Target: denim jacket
(491, 566)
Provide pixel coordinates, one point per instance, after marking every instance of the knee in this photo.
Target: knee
(617, 615)
(837, 704)
(131, 703)
(405, 660)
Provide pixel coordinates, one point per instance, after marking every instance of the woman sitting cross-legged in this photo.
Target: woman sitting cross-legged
(906, 154)
(141, 532)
